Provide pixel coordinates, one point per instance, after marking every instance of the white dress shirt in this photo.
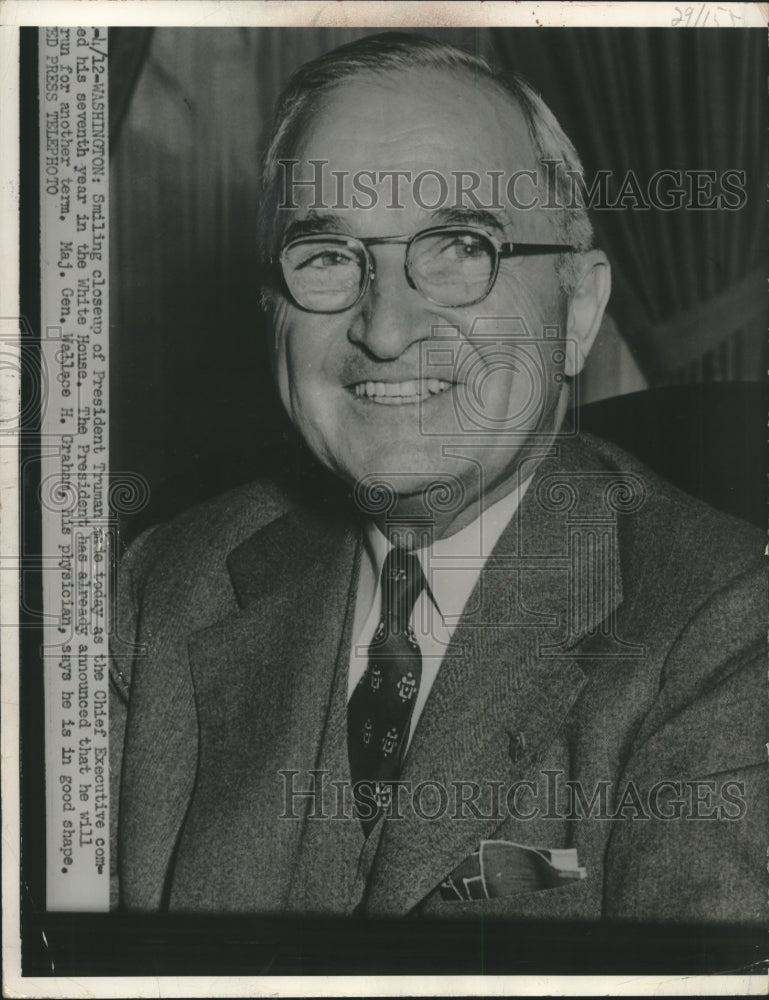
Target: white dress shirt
(451, 567)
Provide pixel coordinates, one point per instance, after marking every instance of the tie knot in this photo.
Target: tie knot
(402, 583)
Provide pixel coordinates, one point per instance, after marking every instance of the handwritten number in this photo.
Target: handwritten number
(683, 17)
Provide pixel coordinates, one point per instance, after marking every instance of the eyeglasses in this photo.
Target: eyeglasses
(447, 265)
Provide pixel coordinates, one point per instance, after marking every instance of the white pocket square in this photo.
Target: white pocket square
(502, 868)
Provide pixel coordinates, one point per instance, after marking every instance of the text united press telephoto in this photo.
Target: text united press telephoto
(462, 650)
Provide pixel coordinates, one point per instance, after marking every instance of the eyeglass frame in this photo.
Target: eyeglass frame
(502, 250)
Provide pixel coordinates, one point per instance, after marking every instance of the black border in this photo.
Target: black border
(151, 945)
(31, 681)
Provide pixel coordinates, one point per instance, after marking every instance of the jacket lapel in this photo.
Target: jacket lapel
(509, 675)
(264, 679)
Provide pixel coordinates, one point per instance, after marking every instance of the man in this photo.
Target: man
(504, 670)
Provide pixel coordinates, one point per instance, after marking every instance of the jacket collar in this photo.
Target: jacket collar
(298, 545)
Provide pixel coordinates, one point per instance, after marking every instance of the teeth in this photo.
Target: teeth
(397, 393)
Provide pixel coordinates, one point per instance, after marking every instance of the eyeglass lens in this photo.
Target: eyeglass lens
(449, 267)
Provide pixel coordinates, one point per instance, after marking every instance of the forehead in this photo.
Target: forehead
(422, 107)
(417, 120)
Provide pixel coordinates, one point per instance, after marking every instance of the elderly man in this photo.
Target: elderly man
(478, 664)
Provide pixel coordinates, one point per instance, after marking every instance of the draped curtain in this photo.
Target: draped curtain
(689, 285)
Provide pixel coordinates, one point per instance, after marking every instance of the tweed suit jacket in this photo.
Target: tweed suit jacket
(614, 640)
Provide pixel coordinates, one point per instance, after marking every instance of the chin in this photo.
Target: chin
(401, 465)
(406, 478)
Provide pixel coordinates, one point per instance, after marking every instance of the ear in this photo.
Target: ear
(586, 307)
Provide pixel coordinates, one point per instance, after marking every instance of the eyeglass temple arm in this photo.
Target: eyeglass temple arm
(532, 249)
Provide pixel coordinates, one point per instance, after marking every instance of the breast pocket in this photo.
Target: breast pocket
(578, 900)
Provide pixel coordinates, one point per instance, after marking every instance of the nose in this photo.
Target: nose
(392, 315)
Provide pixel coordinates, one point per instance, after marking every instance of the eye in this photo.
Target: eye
(327, 259)
(469, 246)
(462, 246)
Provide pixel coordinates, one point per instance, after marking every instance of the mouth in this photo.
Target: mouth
(399, 393)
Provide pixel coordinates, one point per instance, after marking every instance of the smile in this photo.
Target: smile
(400, 393)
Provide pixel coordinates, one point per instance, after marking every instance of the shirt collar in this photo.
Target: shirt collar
(452, 565)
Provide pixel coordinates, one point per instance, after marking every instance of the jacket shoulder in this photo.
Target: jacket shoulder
(175, 574)
(208, 530)
(695, 589)
(673, 528)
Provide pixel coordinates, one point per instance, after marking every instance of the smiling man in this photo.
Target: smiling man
(425, 255)
(501, 669)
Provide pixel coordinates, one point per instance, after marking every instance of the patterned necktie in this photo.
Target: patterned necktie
(380, 709)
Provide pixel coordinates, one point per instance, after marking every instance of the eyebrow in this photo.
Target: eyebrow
(468, 217)
(315, 223)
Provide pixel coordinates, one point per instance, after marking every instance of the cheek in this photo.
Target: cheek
(302, 360)
(278, 348)
(533, 308)
(533, 296)
(512, 371)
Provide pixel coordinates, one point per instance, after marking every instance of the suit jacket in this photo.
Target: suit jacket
(615, 640)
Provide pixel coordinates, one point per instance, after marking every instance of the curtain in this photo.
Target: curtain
(689, 285)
